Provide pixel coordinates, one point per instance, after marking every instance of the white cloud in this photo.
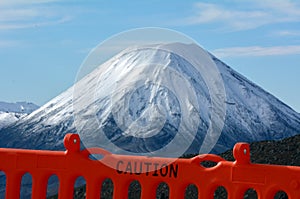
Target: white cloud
(287, 7)
(246, 15)
(23, 2)
(19, 14)
(287, 33)
(251, 51)
(33, 24)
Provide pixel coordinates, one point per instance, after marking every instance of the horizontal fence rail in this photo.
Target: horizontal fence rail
(236, 177)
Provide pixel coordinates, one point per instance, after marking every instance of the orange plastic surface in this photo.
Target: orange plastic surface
(236, 177)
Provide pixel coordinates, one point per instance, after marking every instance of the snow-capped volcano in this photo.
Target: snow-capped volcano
(147, 99)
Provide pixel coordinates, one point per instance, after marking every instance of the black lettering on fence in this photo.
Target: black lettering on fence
(118, 166)
(147, 168)
(155, 169)
(162, 168)
(173, 170)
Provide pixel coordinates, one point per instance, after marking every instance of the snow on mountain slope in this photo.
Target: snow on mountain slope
(252, 113)
(7, 118)
(12, 112)
(160, 105)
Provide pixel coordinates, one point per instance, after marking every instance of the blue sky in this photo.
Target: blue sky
(44, 42)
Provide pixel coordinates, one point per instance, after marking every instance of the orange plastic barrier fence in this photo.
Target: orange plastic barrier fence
(236, 177)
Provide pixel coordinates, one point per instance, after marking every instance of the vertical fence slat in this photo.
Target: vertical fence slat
(236, 192)
(205, 192)
(176, 191)
(39, 187)
(13, 185)
(148, 191)
(120, 189)
(92, 189)
(66, 187)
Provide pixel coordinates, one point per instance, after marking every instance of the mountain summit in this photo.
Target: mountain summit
(158, 98)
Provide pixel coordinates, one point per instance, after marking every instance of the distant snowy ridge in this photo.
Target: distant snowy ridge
(18, 107)
(12, 112)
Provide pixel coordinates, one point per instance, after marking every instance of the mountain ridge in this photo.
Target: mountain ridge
(12, 112)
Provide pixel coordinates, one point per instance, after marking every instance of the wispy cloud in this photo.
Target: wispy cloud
(287, 33)
(22, 2)
(33, 24)
(17, 14)
(247, 15)
(8, 43)
(251, 51)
